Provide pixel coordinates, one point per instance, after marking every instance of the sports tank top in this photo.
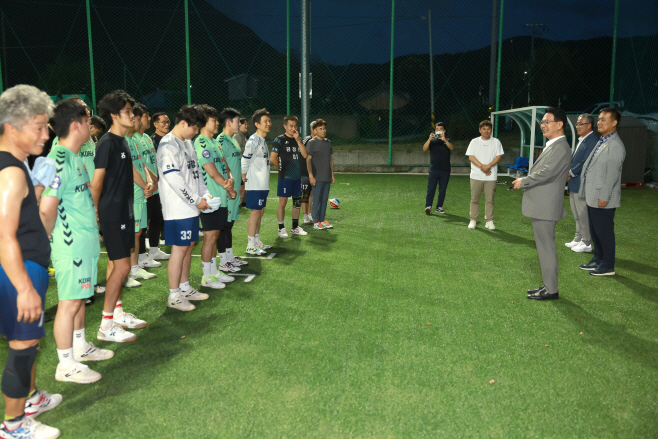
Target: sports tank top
(31, 234)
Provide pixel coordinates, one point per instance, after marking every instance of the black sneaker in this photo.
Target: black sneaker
(440, 210)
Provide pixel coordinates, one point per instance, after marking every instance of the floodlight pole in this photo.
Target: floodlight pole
(500, 57)
(287, 57)
(614, 56)
(429, 21)
(305, 76)
(492, 57)
(91, 60)
(390, 92)
(187, 53)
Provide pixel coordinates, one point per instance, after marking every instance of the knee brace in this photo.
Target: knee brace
(305, 197)
(17, 376)
(297, 202)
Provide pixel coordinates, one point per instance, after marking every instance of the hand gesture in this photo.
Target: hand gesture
(203, 205)
(29, 306)
(312, 180)
(517, 183)
(295, 134)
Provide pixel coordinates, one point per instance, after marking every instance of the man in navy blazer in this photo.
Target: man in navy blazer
(582, 242)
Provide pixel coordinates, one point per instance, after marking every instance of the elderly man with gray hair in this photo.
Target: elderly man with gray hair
(582, 241)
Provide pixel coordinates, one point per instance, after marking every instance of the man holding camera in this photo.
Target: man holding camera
(439, 147)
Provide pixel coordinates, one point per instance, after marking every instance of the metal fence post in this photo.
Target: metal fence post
(614, 55)
(287, 57)
(500, 57)
(305, 55)
(390, 93)
(187, 53)
(91, 60)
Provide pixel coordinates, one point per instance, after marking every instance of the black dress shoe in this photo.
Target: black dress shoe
(602, 271)
(543, 295)
(536, 290)
(590, 266)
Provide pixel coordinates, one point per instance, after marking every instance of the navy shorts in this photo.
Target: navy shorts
(257, 200)
(289, 188)
(181, 232)
(9, 326)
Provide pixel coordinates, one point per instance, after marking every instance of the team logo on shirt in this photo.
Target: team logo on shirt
(57, 182)
(206, 154)
(123, 155)
(123, 227)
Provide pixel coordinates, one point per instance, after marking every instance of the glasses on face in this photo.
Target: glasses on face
(581, 124)
(545, 122)
(164, 122)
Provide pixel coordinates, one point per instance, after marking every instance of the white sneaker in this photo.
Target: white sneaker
(193, 294)
(131, 282)
(471, 225)
(237, 262)
(129, 321)
(143, 274)
(582, 248)
(490, 225)
(298, 231)
(159, 255)
(255, 251)
(30, 429)
(200, 233)
(77, 373)
(46, 402)
(149, 263)
(116, 334)
(92, 353)
(283, 233)
(307, 219)
(98, 289)
(224, 278)
(212, 282)
(572, 244)
(162, 242)
(180, 303)
(262, 246)
(228, 268)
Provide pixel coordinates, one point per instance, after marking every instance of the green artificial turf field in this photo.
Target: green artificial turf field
(391, 325)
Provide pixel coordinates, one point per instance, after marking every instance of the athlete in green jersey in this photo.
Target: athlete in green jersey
(207, 151)
(229, 121)
(69, 216)
(141, 191)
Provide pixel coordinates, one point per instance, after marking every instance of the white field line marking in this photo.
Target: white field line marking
(248, 276)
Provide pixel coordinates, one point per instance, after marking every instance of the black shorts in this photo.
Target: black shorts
(216, 220)
(119, 238)
(306, 185)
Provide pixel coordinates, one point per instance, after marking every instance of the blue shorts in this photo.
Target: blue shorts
(257, 200)
(289, 188)
(181, 232)
(9, 326)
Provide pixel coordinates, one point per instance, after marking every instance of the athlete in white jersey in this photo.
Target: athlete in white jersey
(256, 178)
(181, 193)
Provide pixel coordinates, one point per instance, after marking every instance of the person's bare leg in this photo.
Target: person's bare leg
(15, 407)
(65, 322)
(295, 213)
(108, 271)
(114, 284)
(209, 242)
(281, 208)
(254, 222)
(134, 252)
(175, 265)
(187, 264)
(260, 217)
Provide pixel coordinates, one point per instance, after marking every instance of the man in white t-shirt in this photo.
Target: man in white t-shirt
(484, 152)
(183, 195)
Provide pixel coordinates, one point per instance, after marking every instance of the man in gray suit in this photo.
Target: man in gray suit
(543, 199)
(601, 188)
(582, 242)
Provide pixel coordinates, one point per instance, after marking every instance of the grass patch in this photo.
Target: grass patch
(390, 325)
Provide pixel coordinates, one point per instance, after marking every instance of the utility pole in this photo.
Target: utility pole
(537, 30)
(492, 57)
(305, 86)
(429, 20)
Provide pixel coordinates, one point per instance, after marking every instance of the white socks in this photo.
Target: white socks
(118, 310)
(213, 266)
(257, 238)
(172, 293)
(65, 357)
(252, 241)
(223, 259)
(134, 269)
(79, 340)
(207, 268)
(184, 286)
(106, 322)
(141, 257)
(229, 254)
(153, 251)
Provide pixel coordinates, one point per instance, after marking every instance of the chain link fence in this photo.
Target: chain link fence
(237, 56)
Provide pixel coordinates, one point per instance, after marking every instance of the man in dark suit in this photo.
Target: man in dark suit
(543, 199)
(582, 242)
(601, 188)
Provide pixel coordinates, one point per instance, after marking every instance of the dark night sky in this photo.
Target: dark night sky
(345, 31)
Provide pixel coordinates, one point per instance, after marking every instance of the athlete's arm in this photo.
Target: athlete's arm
(331, 162)
(426, 146)
(97, 187)
(38, 190)
(310, 169)
(217, 176)
(139, 181)
(300, 144)
(48, 213)
(274, 159)
(247, 157)
(13, 190)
